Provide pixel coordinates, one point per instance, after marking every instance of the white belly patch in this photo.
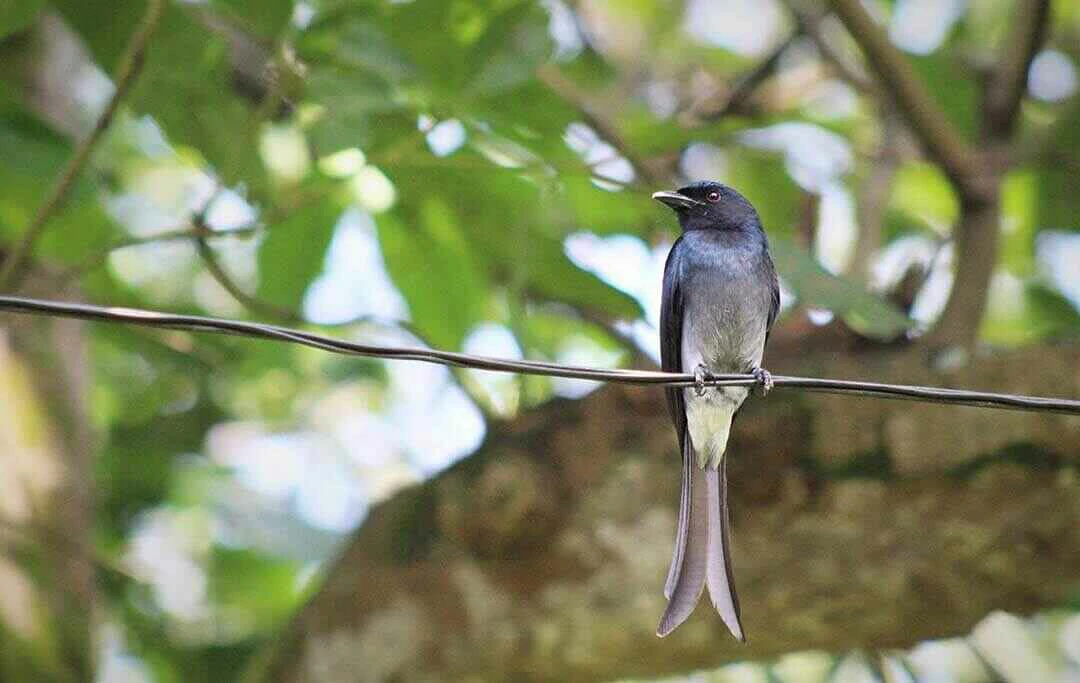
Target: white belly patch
(708, 419)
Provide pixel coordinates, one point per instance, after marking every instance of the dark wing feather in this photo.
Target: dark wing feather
(774, 302)
(671, 321)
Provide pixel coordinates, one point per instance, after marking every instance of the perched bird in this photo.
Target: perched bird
(720, 299)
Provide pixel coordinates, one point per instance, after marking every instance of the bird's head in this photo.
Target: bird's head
(710, 205)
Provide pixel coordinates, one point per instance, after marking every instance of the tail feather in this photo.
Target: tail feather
(682, 529)
(719, 577)
(689, 565)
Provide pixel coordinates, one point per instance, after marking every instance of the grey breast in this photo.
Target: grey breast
(727, 303)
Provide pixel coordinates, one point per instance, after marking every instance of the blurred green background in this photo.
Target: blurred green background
(475, 175)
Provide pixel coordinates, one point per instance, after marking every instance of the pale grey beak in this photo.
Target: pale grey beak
(674, 200)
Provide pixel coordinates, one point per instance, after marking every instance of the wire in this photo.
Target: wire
(194, 323)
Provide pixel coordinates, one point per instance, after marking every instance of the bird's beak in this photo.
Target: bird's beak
(674, 200)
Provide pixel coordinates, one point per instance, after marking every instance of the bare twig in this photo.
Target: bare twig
(202, 233)
(130, 67)
(1009, 81)
(810, 24)
(573, 95)
(924, 116)
(873, 197)
(454, 359)
(746, 84)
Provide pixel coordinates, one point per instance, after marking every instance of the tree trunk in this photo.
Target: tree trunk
(47, 584)
(857, 523)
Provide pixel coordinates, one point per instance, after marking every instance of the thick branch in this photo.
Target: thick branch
(977, 232)
(943, 143)
(975, 240)
(542, 557)
(135, 57)
(1009, 81)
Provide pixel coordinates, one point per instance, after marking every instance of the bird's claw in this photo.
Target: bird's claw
(701, 374)
(764, 380)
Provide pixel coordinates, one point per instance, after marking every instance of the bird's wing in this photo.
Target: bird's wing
(774, 302)
(671, 323)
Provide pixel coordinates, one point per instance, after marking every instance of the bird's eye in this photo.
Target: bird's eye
(713, 196)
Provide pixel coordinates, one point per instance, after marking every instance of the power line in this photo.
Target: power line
(194, 323)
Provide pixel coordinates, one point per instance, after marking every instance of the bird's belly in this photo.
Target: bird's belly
(725, 336)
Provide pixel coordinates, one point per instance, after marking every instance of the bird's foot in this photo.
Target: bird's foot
(764, 380)
(701, 375)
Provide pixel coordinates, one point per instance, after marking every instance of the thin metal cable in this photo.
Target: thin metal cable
(647, 377)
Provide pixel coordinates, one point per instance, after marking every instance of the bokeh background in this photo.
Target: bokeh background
(475, 175)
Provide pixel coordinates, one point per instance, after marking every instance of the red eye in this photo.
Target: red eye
(713, 196)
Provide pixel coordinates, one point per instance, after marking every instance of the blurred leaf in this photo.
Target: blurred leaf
(136, 466)
(549, 274)
(922, 191)
(1052, 313)
(1018, 207)
(268, 18)
(952, 87)
(263, 587)
(1059, 182)
(106, 33)
(15, 15)
(31, 156)
(513, 46)
(198, 105)
(584, 206)
(761, 177)
(548, 330)
(292, 254)
(431, 263)
(818, 288)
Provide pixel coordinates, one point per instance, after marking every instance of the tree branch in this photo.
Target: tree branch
(943, 143)
(873, 195)
(127, 74)
(810, 24)
(1009, 81)
(746, 84)
(256, 305)
(569, 91)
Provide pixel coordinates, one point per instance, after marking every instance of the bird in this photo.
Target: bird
(720, 298)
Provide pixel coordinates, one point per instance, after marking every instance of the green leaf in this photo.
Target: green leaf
(198, 105)
(268, 18)
(106, 33)
(952, 87)
(549, 274)
(262, 586)
(430, 261)
(584, 206)
(31, 157)
(15, 15)
(761, 177)
(1059, 183)
(515, 43)
(921, 191)
(1052, 313)
(292, 254)
(817, 287)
